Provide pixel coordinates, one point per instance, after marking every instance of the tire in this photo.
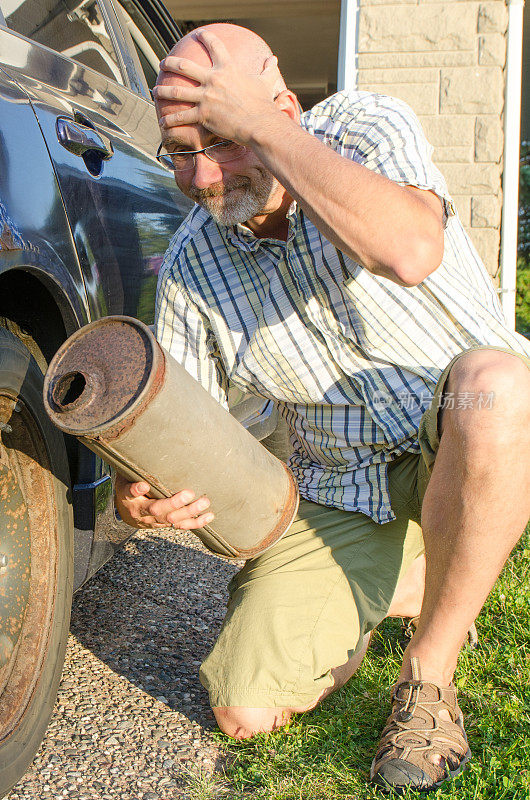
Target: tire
(36, 560)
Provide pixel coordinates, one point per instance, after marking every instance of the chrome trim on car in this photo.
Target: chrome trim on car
(129, 69)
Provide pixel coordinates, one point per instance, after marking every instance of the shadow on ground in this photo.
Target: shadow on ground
(152, 614)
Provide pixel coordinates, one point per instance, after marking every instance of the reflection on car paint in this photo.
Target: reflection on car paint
(10, 236)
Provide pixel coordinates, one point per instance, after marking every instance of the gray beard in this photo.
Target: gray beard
(235, 207)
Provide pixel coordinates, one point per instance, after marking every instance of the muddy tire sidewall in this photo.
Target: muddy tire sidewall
(19, 373)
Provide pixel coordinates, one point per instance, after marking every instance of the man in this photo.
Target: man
(324, 267)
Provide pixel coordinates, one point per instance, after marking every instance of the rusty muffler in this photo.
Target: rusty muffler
(114, 387)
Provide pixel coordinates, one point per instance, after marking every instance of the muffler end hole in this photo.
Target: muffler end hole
(69, 389)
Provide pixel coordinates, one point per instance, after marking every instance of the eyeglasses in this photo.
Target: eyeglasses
(184, 160)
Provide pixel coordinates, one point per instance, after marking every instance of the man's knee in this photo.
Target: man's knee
(241, 722)
(488, 380)
(489, 371)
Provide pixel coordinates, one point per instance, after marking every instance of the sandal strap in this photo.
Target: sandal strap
(410, 627)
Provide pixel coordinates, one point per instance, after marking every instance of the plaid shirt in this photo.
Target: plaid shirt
(350, 359)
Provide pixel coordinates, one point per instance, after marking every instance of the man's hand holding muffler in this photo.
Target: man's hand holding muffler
(182, 510)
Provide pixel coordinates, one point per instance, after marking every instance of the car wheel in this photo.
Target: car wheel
(36, 560)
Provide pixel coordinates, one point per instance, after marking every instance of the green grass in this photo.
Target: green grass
(326, 754)
(202, 785)
(522, 298)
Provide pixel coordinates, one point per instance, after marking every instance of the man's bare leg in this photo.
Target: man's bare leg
(475, 508)
(408, 597)
(242, 722)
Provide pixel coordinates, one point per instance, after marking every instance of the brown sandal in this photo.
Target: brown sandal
(414, 732)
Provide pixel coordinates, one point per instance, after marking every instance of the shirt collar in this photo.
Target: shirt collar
(243, 238)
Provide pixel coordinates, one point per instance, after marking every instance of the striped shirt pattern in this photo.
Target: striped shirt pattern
(350, 359)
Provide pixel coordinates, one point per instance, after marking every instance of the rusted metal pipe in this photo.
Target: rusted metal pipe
(114, 387)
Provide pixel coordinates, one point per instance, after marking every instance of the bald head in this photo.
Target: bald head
(248, 50)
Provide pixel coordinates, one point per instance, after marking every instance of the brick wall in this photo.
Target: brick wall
(446, 59)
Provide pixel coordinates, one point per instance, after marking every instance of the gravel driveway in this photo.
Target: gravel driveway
(132, 720)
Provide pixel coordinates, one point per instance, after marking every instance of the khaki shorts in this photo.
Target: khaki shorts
(302, 608)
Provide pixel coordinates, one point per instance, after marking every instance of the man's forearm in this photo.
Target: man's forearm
(392, 230)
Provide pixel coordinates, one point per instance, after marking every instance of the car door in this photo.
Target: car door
(122, 205)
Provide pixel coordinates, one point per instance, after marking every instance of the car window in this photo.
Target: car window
(149, 46)
(74, 29)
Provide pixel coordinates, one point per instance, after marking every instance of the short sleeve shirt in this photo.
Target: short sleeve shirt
(350, 359)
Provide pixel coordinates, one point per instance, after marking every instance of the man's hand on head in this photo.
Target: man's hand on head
(227, 101)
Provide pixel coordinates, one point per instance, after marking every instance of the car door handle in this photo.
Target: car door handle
(80, 139)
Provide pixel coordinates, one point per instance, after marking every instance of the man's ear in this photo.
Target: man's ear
(287, 102)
